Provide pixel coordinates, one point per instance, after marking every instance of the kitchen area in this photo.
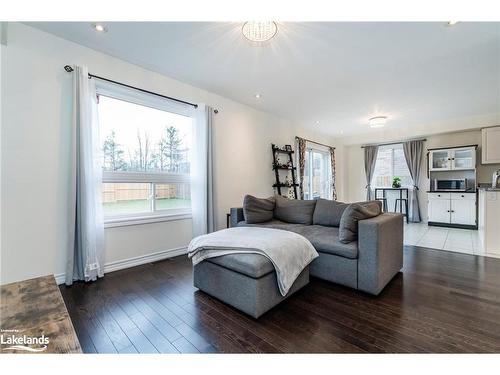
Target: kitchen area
(461, 207)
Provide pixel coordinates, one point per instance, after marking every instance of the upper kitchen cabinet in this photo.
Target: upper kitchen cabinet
(452, 159)
(464, 158)
(491, 145)
(439, 160)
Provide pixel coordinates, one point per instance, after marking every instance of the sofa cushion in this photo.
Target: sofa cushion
(294, 211)
(348, 229)
(328, 212)
(324, 239)
(251, 265)
(258, 210)
(274, 224)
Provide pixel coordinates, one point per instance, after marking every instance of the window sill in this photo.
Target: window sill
(141, 220)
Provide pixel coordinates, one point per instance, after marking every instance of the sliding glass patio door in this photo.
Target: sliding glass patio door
(317, 174)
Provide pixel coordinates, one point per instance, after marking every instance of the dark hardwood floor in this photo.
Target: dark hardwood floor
(442, 302)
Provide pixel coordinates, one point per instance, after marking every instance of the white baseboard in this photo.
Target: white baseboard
(132, 262)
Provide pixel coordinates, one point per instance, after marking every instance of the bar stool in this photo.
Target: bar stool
(401, 201)
(383, 199)
(384, 203)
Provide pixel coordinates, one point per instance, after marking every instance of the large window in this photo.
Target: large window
(317, 174)
(145, 150)
(391, 163)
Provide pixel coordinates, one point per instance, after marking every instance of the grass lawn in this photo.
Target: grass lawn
(142, 205)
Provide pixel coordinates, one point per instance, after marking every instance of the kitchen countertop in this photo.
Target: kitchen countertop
(488, 188)
(453, 191)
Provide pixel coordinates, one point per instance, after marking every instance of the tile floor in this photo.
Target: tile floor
(450, 239)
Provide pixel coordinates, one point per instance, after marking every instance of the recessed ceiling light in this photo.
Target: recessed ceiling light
(451, 23)
(257, 96)
(377, 122)
(259, 31)
(99, 28)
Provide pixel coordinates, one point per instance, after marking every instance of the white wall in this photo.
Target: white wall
(36, 94)
(3, 36)
(354, 164)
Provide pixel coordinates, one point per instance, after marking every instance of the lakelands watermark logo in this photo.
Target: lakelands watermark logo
(12, 340)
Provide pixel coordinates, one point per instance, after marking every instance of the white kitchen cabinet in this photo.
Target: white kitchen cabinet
(463, 209)
(491, 145)
(489, 227)
(452, 208)
(439, 211)
(463, 158)
(440, 160)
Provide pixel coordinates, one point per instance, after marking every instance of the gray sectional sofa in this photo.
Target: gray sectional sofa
(367, 262)
(358, 247)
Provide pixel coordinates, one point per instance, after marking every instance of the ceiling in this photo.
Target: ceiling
(339, 74)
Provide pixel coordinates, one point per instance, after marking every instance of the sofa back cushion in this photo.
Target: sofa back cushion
(348, 229)
(294, 211)
(258, 210)
(328, 213)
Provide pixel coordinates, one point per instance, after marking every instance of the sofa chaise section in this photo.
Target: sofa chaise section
(245, 281)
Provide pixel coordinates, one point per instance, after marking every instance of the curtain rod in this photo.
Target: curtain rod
(70, 69)
(317, 143)
(394, 143)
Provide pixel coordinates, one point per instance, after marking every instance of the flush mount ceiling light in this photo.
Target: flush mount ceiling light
(99, 28)
(377, 122)
(259, 31)
(257, 96)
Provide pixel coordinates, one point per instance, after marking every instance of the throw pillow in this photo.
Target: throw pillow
(258, 210)
(294, 211)
(348, 229)
(328, 213)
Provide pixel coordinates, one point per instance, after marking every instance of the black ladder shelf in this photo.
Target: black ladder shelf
(288, 166)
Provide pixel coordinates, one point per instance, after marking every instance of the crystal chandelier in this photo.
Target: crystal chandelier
(259, 31)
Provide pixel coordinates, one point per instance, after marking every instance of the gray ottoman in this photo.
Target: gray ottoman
(244, 281)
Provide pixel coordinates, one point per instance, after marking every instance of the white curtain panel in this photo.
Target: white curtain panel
(86, 241)
(202, 192)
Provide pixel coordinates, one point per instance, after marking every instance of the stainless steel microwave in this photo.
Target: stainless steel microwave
(459, 184)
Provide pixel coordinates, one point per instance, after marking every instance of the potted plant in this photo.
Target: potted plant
(396, 182)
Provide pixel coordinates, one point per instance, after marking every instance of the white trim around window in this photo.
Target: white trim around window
(115, 91)
(147, 219)
(145, 177)
(153, 178)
